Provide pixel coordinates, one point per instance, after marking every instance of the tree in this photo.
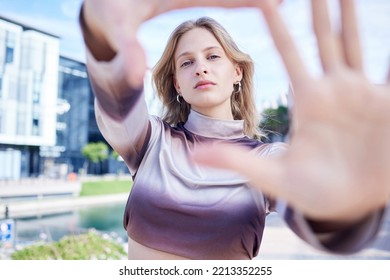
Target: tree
(275, 123)
(119, 162)
(115, 155)
(95, 153)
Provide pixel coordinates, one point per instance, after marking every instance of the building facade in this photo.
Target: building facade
(76, 122)
(28, 97)
(73, 119)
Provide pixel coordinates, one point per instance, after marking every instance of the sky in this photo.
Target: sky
(245, 25)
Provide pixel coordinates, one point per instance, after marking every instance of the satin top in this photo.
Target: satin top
(181, 208)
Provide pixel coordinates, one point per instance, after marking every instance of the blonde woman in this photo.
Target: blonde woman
(180, 209)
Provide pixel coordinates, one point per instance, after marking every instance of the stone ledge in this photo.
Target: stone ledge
(39, 207)
(41, 189)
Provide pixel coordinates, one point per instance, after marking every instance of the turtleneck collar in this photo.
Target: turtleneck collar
(214, 128)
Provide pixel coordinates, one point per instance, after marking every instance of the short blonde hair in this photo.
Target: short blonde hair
(242, 103)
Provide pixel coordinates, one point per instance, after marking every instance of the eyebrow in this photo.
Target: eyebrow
(204, 50)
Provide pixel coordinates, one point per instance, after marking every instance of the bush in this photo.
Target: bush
(89, 246)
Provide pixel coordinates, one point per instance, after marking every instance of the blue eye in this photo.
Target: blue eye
(186, 63)
(213, 56)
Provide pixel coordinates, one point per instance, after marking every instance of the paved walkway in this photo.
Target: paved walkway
(45, 206)
(280, 243)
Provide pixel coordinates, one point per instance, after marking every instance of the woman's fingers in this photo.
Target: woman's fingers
(333, 51)
(284, 43)
(180, 4)
(134, 58)
(327, 41)
(350, 35)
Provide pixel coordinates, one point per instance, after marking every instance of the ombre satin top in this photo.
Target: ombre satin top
(200, 213)
(185, 209)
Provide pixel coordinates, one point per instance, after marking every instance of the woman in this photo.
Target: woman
(181, 210)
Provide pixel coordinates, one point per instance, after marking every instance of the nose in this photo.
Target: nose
(201, 70)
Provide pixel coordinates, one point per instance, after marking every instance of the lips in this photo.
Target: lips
(203, 84)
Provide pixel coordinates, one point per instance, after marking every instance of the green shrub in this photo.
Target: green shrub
(89, 246)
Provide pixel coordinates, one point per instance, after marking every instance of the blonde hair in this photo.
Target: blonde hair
(242, 103)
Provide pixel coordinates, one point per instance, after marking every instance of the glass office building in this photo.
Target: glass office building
(76, 124)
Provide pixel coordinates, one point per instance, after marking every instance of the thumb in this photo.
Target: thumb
(264, 174)
(134, 59)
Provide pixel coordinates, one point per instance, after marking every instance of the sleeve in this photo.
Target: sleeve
(121, 111)
(346, 241)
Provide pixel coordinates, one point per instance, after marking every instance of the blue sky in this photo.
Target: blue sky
(245, 25)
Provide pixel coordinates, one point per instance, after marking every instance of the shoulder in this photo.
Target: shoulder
(271, 149)
(159, 125)
(161, 128)
(261, 148)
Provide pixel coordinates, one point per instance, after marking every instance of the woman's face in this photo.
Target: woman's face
(204, 74)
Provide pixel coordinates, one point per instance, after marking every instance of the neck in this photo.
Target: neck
(209, 127)
(215, 113)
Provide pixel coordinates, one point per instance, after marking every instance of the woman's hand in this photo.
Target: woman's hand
(337, 166)
(112, 27)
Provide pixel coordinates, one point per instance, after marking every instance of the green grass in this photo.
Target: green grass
(105, 187)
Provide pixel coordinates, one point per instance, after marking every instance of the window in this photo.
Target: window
(37, 87)
(1, 122)
(1, 87)
(9, 54)
(36, 97)
(21, 123)
(35, 127)
(10, 47)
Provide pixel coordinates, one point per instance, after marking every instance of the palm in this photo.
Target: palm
(332, 155)
(337, 161)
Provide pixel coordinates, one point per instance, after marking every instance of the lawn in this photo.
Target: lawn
(105, 187)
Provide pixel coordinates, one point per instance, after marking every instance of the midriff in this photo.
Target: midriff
(137, 251)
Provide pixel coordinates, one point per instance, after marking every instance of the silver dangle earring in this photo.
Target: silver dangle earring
(178, 98)
(238, 87)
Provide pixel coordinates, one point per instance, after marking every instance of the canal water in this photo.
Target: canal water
(106, 219)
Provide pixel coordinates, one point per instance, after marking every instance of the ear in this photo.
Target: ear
(238, 73)
(176, 84)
